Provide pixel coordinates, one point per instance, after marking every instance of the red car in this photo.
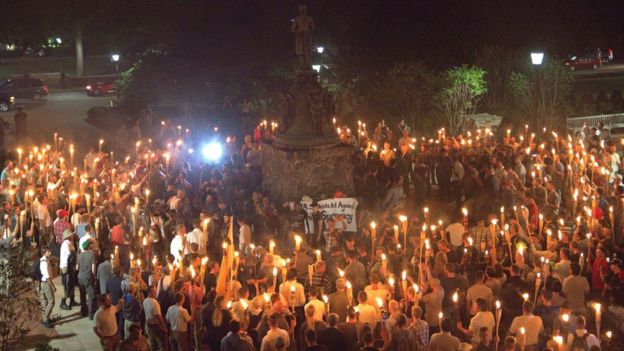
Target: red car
(589, 61)
(100, 88)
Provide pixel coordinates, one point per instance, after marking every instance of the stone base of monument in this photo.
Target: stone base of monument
(290, 173)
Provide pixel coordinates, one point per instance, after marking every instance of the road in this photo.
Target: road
(610, 69)
(63, 113)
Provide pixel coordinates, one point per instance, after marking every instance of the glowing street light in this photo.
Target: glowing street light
(320, 49)
(317, 68)
(537, 58)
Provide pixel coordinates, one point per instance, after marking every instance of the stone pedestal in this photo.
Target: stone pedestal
(290, 173)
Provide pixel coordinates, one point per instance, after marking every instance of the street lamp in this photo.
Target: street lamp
(317, 68)
(59, 41)
(537, 58)
(115, 58)
(320, 49)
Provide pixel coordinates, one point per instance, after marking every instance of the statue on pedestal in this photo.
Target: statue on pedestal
(302, 26)
(308, 107)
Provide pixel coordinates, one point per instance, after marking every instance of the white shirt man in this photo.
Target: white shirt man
(368, 314)
(532, 326)
(176, 247)
(244, 237)
(152, 310)
(296, 299)
(319, 308)
(481, 319)
(66, 248)
(178, 318)
(198, 237)
(268, 342)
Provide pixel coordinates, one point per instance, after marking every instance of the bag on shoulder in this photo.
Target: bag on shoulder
(35, 271)
(579, 343)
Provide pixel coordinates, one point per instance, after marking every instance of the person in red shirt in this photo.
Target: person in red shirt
(118, 232)
(533, 212)
(61, 225)
(599, 272)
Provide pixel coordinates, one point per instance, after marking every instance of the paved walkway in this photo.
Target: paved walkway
(71, 332)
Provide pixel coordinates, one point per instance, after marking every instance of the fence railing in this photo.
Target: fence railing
(577, 123)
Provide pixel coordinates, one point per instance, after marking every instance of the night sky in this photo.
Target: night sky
(376, 33)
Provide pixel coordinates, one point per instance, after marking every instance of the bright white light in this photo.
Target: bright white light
(320, 49)
(317, 68)
(212, 151)
(537, 58)
(115, 57)
(59, 40)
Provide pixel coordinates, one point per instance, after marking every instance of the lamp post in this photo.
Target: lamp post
(115, 59)
(320, 49)
(537, 57)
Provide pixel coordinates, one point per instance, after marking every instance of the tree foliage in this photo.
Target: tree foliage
(403, 92)
(463, 89)
(542, 92)
(499, 63)
(18, 302)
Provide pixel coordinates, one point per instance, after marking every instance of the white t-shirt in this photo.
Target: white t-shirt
(319, 308)
(268, 342)
(373, 294)
(532, 325)
(104, 320)
(152, 309)
(244, 236)
(368, 314)
(43, 267)
(196, 236)
(456, 233)
(299, 297)
(481, 319)
(178, 318)
(176, 247)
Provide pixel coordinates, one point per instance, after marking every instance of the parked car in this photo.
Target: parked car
(100, 88)
(30, 88)
(605, 54)
(586, 61)
(6, 101)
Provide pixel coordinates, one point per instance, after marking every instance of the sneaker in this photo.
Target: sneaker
(64, 306)
(47, 324)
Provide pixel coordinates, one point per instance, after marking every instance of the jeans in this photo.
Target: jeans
(87, 297)
(69, 284)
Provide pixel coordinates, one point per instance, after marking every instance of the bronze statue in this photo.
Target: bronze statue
(302, 26)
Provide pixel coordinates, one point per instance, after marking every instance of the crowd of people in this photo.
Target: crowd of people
(483, 241)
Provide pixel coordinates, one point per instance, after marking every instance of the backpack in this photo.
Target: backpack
(35, 271)
(579, 343)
